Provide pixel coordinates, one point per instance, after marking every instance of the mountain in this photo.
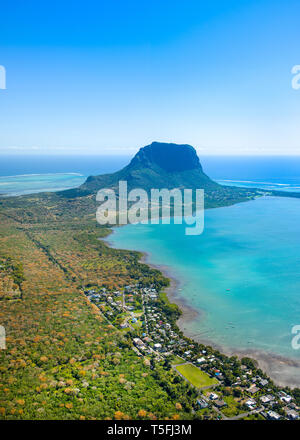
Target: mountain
(159, 165)
(164, 165)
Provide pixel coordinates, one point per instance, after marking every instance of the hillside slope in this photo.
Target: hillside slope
(162, 165)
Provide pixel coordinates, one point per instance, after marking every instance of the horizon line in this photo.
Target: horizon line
(129, 154)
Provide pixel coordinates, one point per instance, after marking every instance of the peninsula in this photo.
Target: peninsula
(90, 332)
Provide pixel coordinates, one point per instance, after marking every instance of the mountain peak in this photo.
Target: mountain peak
(168, 156)
(162, 165)
(158, 165)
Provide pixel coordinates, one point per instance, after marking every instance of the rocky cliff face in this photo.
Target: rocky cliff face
(158, 165)
(169, 157)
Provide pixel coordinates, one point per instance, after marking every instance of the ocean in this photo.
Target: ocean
(28, 174)
(276, 173)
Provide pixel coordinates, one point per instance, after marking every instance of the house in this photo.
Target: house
(201, 360)
(286, 398)
(266, 399)
(220, 403)
(272, 415)
(263, 382)
(213, 396)
(124, 325)
(253, 389)
(138, 341)
(292, 415)
(202, 403)
(251, 404)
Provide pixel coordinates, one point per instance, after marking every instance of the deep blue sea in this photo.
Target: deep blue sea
(28, 174)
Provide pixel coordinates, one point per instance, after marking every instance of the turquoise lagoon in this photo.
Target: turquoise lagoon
(34, 183)
(242, 274)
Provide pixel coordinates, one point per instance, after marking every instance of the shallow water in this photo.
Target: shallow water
(34, 183)
(243, 272)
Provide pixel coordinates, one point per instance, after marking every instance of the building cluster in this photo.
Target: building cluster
(138, 311)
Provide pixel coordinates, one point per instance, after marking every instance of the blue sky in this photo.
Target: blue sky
(111, 76)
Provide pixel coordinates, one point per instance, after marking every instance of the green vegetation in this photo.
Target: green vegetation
(233, 408)
(11, 278)
(63, 359)
(197, 377)
(176, 360)
(254, 417)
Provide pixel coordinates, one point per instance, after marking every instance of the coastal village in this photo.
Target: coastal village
(228, 388)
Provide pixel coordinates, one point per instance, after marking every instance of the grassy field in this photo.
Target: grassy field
(177, 360)
(233, 408)
(197, 377)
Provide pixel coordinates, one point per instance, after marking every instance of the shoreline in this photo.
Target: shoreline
(279, 368)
